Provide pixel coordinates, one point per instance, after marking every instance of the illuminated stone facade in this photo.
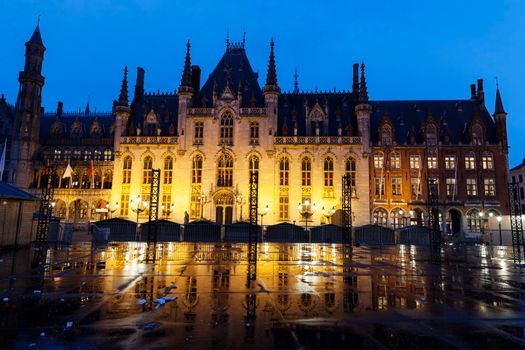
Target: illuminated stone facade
(207, 138)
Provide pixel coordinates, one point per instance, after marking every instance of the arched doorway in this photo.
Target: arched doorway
(224, 208)
(453, 222)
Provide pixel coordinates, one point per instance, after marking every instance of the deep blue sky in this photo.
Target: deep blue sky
(413, 49)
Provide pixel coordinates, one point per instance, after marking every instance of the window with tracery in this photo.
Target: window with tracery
(226, 129)
(306, 172)
(225, 170)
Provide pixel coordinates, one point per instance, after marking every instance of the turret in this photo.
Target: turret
(122, 112)
(271, 91)
(500, 117)
(363, 111)
(28, 112)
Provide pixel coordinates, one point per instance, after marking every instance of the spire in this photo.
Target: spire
(123, 97)
(499, 103)
(87, 111)
(271, 75)
(36, 38)
(185, 82)
(363, 92)
(295, 82)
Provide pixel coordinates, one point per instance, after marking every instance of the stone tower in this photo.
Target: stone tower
(28, 113)
(363, 110)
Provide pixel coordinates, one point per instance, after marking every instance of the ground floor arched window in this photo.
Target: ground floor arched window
(380, 216)
(474, 220)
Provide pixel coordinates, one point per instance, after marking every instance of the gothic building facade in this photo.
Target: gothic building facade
(207, 138)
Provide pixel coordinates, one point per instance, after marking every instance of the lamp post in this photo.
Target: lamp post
(204, 200)
(111, 211)
(328, 215)
(306, 210)
(262, 213)
(241, 201)
(167, 212)
(139, 206)
(499, 218)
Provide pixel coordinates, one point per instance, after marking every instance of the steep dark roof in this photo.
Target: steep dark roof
(452, 116)
(499, 104)
(67, 120)
(233, 68)
(36, 38)
(165, 106)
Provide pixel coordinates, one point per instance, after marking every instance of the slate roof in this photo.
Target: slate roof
(67, 119)
(36, 38)
(12, 192)
(165, 106)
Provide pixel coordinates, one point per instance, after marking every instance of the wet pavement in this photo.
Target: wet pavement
(306, 296)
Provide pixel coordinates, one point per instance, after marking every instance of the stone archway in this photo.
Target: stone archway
(224, 202)
(454, 219)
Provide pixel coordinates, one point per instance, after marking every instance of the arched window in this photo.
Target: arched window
(108, 179)
(97, 179)
(473, 221)
(487, 161)
(379, 159)
(226, 132)
(126, 170)
(67, 154)
(350, 170)
(225, 170)
(196, 170)
(146, 172)
(254, 133)
(254, 165)
(380, 216)
(76, 154)
(477, 135)
(86, 181)
(108, 154)
(57, 154)
(284, 171)
(168, 170)
(431, 135)
(396, 216)
(306, 172)
(328, 172)
(87, 154)
(97, 154)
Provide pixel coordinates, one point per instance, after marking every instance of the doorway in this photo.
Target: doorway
(454, 222)
(224, 208)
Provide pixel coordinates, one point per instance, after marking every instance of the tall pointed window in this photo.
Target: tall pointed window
(379, 159)
(254, 133)
(284, 171)
(225, 170)
(226, 131)
(146, 170)
(395, 160)
(126, 170)
(196, 172)
(199, 133)
(328, 177)
(168, 170)
(386, 135)
(350, 169)
(477, 135)
(306, 172)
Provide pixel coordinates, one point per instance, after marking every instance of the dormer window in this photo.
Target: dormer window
(386, 135)
(477, 135)
(431, 135)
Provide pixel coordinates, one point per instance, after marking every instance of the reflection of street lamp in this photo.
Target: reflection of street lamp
(499, 218)
(111, 211)
(263, 213)
(241, 201)
(204, 200)
(138, 207)
(328, 215)
(167, 212)
(306, 210)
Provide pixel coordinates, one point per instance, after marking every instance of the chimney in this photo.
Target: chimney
(60, 108)
(139, 85)
(472, 91)
(196, 78)
(355, 84)
(481, 93)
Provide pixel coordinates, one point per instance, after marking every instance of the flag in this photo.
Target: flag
(90, 171)
(68, 172)
(2, 160)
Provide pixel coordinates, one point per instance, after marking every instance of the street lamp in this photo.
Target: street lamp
(241, 201)
(139, 206)
(53, 205)
(499, 218)
(306, 210)
(167, 212)
(263, 213)
(111, 211)
(328, 215)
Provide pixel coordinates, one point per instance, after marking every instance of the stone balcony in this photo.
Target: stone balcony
(317, 140)
(148, 140)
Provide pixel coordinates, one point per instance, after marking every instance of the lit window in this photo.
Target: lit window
(450, 162)
(414, 161)
(379, 159)
(283, 207)
(199, 133)
(57, 154)
(489, 187)
(432, 161)
(284, 171)
(306, 172)
(470, 162)
(225, 170)
(97, 155)
(350, 170)
(108, 154)
(451, 186)
(487, 162)
(395, 160)
(396, 186)
(380, 216)
(415, 186)
(226, 129)
(328, 172)
(146, 170)
(379, 186)
(168, 170)
(196, 173)
(472, 187)
(473, 221)
(126, 170)
(124, 204)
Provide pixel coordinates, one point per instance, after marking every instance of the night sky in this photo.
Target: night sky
(412, 49)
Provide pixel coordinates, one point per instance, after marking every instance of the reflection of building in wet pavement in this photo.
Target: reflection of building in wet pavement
(305, 294)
